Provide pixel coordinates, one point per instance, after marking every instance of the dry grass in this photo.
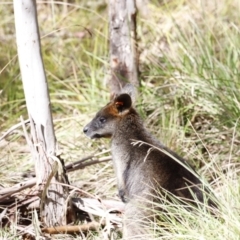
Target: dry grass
(189, 99)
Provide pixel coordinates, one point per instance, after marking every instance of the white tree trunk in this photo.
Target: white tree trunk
(43, 141)
(123, 44)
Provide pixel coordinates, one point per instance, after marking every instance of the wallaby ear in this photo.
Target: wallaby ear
(123, 102)
(131, 91)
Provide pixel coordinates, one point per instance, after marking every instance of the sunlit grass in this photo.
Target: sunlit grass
(199, 223)
(189, 97)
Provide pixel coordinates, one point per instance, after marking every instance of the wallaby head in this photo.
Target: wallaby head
(106, 120)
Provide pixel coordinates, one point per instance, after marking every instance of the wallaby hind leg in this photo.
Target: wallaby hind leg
(136, 221)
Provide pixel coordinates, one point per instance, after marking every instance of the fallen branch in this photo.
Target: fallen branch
(109, 209)
(72, 165)
(106, 209)
(110, 205)
(83, 203)
(80, 164)
(92, 226)
(6, 192)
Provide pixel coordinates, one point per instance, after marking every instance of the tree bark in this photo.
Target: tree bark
(48, 167)
(123, 44)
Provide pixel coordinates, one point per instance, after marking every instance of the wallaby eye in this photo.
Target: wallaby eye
(102, 119)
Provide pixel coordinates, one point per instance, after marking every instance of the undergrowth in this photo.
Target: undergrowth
(189, 98)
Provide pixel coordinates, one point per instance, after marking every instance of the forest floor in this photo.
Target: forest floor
(189, 99)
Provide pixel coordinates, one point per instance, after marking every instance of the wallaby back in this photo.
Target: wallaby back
(141, 168)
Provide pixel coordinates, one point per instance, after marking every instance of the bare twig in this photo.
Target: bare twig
(110, 205)
(28, 231)
(101, 208)
(92, 226)
(79, 164)
(107, 205)
(72, 165)
(83, 165)
(16, 188)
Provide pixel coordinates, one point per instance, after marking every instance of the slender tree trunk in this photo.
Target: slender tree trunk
(123, 45)
(49, 168)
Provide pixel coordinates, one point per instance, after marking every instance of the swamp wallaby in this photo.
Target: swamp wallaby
(141, 168)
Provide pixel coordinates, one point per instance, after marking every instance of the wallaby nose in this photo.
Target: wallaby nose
(85, 129)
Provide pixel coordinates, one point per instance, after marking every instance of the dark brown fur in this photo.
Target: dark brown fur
(140, 168)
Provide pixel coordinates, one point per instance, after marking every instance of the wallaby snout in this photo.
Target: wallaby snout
(85, 129)
(89, 131)
(95, 129)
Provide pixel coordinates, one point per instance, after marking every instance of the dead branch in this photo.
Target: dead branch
(6, 192)
(80, 164)
(106, 209)
(83, 165)
(72, 165)
(110, 205)
(92, 226)
(83, 203)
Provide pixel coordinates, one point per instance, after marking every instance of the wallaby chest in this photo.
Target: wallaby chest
(130, 168)
(121, 158)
